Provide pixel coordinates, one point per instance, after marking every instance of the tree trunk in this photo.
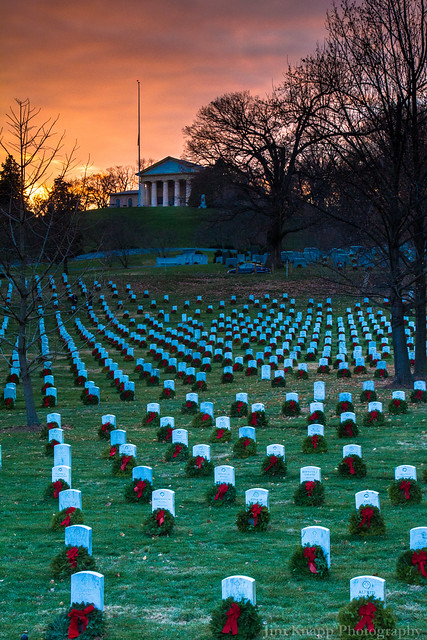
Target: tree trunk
(420, 323)
(274, 246)
(402, 369)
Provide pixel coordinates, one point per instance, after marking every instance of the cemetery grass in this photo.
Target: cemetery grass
(167, 587)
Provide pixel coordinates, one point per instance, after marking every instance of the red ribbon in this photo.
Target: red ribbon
(232, 615)
(246, 442)
(366, 513)
(188, 404)
(314, 416)
(373, 416)
(310, 554)
(256, 510)
(219, 433)
(125, 462)
(397, 402)
(178, 449)
(151, 416)
(366, 612)
(72, 556)
(160, 517)
(273, 461)
(57, 488)
(222, 490)
(205, 417)
(113, 451)
(78, 618)
(405, 485)
(139, 488)
(239, 406)
(169, 433)
(68, 512)
(349, 462)
(105, 426)
(199, 461)
(344, 406)
(314, 441)
(254, 419)
(348, 430)
(418, 394)
(419, 559)
(292, 404)
(309, 486)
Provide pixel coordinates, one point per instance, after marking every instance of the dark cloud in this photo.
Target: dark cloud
(82, 60)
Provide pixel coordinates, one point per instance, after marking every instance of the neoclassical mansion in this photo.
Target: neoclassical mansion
(166, 183)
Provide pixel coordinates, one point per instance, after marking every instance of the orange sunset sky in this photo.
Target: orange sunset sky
(81, 60)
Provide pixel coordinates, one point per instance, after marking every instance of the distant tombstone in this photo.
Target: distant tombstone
(319, 536)
(418, 538)
(256, 496)
(224, 474)
(192, 397)
(276, 450)
(239, 588)
(242, 397)
(319, 391)
(315, 429)
(367, 497)
(180, 436)
(127, 450)
(54, 417)
(207, 407)
(142, 473)
(167, 421)
(279, 373)
(61, 473)
(70, 498)
(203, 450)
(348, 415)
(222, 422)
(405, 471)
(369, 385)
(163, 499)
(266, 372)
(398, 395)
(316, 406)
(169, 384)
(153, 407)
(419, 385)
(88, 587)
(257, 406)
(78, 535)
(310, 473)
(108, 417)
(247, 432)
(292, 396)
(345, 397)
(117, 437)
(62, 455)
(56, 434)
(375, 406)
(367, 587)
(352, 450)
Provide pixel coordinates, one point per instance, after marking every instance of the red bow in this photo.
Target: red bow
(105, 426)
(160, 517)
(205, 417)
(256, 510)
(151, 416)
(246, 442)
(368, 395)
(68, 512)
(113, 451)
(57, 488)
(344, 406)
(169, 433)
(366, 513)
(273, 461)
(405, 485)
(222, 490)
(397, 402)
(349, 462)
(292, 404)
(367, 612)
(232, 615)
(78, 618)
(419, 558)
(219, 433)
(239, 406)
(139, 488)
(72, 556)
(419, 394)
(188, 404)
(314, 441)
(178, 449)
(309, 486)
(254, 419)
(125, 462)
(199, 461)
(310, 554)
(348, 430)
(373, 416)
(314, 416)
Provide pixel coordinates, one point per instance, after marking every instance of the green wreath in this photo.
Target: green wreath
(314, 444)
(368, 396)
(310, 496)
(127, 462)
(189, 407)
(373, 418)
(291, 408)
(248, 623)
(63, 566)
(134, 489)
(258, 419)
(201, 419)
(164, 434)
(167, 394)
(227, 378)
(244, 449)
(323, 368)
(349, 617)
(374, 527)
(58, 629)
(279, 382)
(274, 466)
(66, 518)
(153, 528)
(225, 496)
(112, 453)
(347, 429)
(343, 373)
(301, 374)
(408, 570)
(246, 519)
(397, 407)
(198, 467)
(49, 446)
(418, 396)
(51, 489)
(381, 373)
(239, 409)
(317, 417)
(199, 386)
(105, 430)
(152, 381)
(357, 464)
(220, 435)
(176, 452)
(299, 564)
(151, 419)
(397, 493)
(44, 433)
(343, 407)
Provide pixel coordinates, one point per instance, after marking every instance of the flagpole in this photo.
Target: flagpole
(139, 145)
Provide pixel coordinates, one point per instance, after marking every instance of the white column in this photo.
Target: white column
(187, 191)
(176, 198)
(165, 193)
(145, 200)
(154, 194)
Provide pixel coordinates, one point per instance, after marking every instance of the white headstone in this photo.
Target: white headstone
(56, 434)
(203, 450)
(167, 421)
(88, 587)
(222, 422)
(256, 495)
(207, 407)
(79, 535)
(242, 397)
(224, 474)
(405, 471)
(127, 450)
(180, 436)
(70, 498)
(319, 391)
(309, 473)
(418, 538)
(319, 536)
(247, 432)
(348, 415)
(277, 450)
(142, 473)
(315, 429)
(61, 473)
(367, 587)
(257, 406)
(163, 499)
(239, 588)
(117, 436)
(316, 406)
(62, 455)
(153, 407)
(54, 417)
(351, 450)
(109, 418)
(367, 497)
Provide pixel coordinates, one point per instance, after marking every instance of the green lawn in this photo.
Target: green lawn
(167, 587)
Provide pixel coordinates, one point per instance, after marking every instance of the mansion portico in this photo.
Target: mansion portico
(166, 183)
